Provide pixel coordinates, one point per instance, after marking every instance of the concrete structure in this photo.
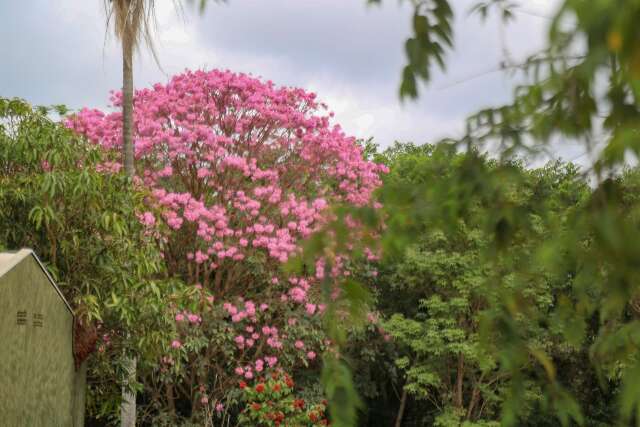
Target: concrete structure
(39, 385)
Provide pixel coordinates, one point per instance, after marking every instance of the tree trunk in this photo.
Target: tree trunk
(458, 400)
(403, 404)
(127, 106)
(171, 402)
(475, 397)
(128, 407)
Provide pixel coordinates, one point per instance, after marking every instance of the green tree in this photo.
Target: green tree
(583, 87)
(57, 197)
(440, 287)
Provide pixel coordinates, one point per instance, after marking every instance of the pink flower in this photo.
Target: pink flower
(271, 361)
(148, 219)
(219, 407)
(176, 344)
(179, 317)
(297, 294)
(311, 308)
(299, 344)
(311, 355)
(204, 400)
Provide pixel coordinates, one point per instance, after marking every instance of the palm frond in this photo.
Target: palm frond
(134, 22)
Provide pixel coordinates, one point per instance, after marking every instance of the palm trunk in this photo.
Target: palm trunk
(128, 406)
(127, 106)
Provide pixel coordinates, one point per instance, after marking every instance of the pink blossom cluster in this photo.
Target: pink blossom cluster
(194, 319)
(260, 365)
(251, 162)
(239, 172)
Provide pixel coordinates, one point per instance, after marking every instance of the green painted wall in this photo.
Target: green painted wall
(38, 382)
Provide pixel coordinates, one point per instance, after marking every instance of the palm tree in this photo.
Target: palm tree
(133, 22)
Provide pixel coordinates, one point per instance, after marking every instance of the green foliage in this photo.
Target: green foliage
(443, 286)
(488, 283)
(585, 79)
(431, 36)
(599, 252)
(519, 272)
(83, 224)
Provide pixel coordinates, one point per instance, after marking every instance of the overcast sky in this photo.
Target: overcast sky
(351, 55)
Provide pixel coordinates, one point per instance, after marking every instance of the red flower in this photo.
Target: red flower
(242, 384)
(276, 387)
(260, 388)
(289, 382)
(298, 403)
(313, 416)
(255, 406)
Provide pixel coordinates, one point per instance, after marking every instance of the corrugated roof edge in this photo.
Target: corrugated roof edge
(22, 254)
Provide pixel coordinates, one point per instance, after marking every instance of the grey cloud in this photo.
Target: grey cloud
(348, 53)
(338, 37)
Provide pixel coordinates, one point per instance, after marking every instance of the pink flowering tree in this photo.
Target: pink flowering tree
(241, 172)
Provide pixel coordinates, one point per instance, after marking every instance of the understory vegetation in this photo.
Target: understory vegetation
(427, 351)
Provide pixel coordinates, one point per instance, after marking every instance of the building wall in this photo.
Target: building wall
(37, 374)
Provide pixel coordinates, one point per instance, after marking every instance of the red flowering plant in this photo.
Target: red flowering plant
(272, 401)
